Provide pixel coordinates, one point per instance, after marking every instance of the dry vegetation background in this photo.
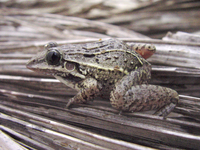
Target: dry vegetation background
(32, 105)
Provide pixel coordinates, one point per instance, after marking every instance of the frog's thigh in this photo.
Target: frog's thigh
(89, 89)
(146, 97)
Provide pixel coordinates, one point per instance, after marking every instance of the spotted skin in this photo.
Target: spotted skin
(110, 69)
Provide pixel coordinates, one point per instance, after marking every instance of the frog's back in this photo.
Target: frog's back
(109, 55)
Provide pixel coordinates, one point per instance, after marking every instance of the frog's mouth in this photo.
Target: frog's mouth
(37, 62)
(38, 66)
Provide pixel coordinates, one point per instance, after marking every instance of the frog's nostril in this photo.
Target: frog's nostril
(34, 61)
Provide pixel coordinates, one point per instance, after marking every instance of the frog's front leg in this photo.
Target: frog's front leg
(129, 96)
(89, 88)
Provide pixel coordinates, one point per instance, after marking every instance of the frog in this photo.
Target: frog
(109, 69)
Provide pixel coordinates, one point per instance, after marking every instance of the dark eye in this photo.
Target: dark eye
(53, 57)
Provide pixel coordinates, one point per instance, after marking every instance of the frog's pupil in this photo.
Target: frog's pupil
(53, 57)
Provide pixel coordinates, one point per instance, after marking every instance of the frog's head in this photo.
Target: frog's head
(51, 62)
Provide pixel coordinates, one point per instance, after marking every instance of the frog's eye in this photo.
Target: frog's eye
(53, 57)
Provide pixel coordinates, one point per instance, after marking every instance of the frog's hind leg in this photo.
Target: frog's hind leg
(146, 97)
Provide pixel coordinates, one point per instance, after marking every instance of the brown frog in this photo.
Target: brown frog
(108, 68)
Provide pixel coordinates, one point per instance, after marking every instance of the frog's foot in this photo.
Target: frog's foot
(164, 111)
(70, 102)
(82, 97)
(145, 97)
(74, 101)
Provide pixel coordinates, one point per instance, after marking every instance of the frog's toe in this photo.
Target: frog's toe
(70, 102)
(165, 110)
